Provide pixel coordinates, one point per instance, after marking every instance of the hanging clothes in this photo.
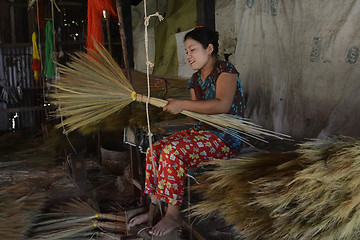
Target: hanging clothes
(36, 66)
(49, 67)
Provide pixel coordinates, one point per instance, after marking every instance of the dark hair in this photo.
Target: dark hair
(205, 36)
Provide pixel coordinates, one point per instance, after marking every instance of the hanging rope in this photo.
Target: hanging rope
(148, 65)
(53, 3)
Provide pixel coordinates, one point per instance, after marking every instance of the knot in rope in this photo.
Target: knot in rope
(150, 64)
(159, 16)
(64, 132)
(147, 19)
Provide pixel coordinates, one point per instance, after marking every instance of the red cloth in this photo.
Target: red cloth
(95, 16)
(173, 155)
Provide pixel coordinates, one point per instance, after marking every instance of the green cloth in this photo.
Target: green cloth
(180, 16)
(49, 68)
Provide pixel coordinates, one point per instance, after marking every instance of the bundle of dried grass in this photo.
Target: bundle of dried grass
(161, 86)
(76, 219)
(91, 89)
(312, 193)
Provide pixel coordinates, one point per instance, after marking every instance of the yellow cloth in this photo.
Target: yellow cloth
(36, 67)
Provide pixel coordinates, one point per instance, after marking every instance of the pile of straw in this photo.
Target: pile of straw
(93, 87)
(18, 203)
(311, 193)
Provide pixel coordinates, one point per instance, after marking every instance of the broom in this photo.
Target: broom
(75, 219)
(93, 86)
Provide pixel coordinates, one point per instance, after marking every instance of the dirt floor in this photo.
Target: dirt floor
(41, 200)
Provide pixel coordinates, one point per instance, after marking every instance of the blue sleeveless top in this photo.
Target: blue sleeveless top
(207, 90)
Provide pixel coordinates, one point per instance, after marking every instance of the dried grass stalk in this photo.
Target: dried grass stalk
(17, 205)
(91, 89)
(312, 193)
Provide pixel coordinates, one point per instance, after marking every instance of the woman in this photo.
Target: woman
(215, 88)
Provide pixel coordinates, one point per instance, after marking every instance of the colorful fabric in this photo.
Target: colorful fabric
(207, 90)
(36, 66)
(173, 155)
(49, 66)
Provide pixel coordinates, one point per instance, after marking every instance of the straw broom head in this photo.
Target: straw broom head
(90, 89)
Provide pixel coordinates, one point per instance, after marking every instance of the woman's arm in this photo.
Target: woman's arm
(225, 93)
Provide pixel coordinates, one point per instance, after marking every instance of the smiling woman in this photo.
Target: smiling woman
(215, 88)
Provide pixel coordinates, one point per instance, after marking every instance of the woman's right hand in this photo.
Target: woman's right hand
(174, 106)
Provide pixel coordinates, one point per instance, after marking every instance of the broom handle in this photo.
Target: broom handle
(162, 103)
(118, 226)
(153, 101)
(113, 217)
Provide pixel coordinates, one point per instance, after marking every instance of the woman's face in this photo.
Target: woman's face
(196, 54)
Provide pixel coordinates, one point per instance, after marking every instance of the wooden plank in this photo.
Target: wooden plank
(23, 109)
(15, 45)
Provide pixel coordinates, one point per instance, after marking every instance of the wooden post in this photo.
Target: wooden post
(123, 40)
(206, 13)
(12, 23)
(108, 32)
(136, 164)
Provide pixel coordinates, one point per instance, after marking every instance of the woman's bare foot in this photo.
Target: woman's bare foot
(142, 218)
(170, 221)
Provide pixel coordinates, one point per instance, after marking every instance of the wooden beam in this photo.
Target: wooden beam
(15, 45)
(15, 4)
(206, 13)
(24, 109)
(73, 3)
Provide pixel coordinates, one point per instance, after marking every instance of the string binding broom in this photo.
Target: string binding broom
(94, 86)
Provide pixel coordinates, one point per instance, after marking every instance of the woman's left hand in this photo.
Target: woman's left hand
(174, 106)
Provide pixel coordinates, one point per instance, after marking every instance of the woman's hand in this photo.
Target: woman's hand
(174, 106)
